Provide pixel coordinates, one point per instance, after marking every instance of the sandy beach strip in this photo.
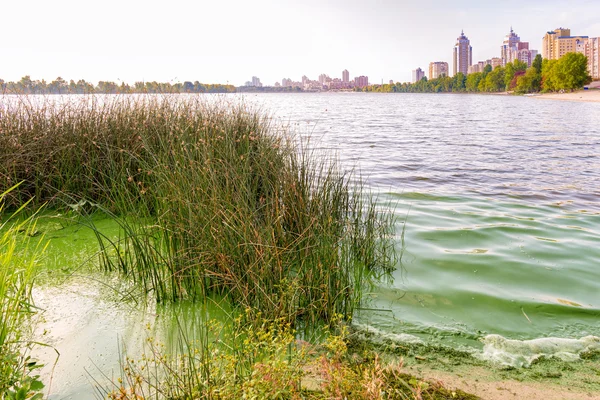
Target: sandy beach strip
(591, 96)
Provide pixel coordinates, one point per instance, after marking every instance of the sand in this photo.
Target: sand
(591, 96)
(488, 386)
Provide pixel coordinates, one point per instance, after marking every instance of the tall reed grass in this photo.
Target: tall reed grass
(212, 199)
(17, 272)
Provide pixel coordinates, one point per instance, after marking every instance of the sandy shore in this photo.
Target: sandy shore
(592, 96)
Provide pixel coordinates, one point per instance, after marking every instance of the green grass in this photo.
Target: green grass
(266, 361)
(17, 273)
(211, 198)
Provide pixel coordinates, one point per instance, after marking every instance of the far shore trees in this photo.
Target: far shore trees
(567, 73)
(60, 86)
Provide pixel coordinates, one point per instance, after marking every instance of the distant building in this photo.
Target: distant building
(417, 75)
(496, 62)
(559, 42)
(513, 49)
(391, 81)
(463, 54)
(345, 76)
(255, 82)
(437, 69)
(593, 49)
(509, 47)
(589, 48)
(361, 81)
(480, 66)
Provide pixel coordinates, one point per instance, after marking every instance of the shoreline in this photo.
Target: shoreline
(585, 96)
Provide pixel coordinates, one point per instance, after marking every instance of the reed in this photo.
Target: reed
(212, 199)
(17, 272)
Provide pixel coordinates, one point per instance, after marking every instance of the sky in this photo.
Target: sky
(229, 41)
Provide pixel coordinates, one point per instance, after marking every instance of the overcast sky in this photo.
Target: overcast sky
(229, 41)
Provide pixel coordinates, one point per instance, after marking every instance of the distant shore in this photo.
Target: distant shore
(588, 96)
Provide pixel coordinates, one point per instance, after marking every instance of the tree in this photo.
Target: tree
(459, 82)
(58, 86)
(494, 81)
(573, 71)
(528, 82)
(188, 87)
(549, 75)
(472, 84)
(511, 69)
(567, 73)
(537, 64)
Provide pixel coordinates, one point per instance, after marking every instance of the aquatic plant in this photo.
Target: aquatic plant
(267, 361)
(211, 198)
(17, 271)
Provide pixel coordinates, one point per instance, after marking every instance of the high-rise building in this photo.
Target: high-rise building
(496, 62)
(256, 82)
(559, 42)
(593, 49)
(437, 69)
(463, 54)
(417, 75)
(589, 48)
(361, 81)
(509, 47)
(345, 76)
(324, 78)
(513, 49)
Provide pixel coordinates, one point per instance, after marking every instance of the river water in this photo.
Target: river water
(498, 207)
(499, 201)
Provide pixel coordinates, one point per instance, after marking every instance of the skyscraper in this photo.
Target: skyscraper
(463, 54)
(345, 76)
(509, 47)
(513, 49)
(417, 74)
(593, 55)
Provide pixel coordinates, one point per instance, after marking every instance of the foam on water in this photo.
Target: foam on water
(521, 353)
(380, 336)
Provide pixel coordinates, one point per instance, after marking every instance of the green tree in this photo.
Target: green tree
(494, 81)
(459, 82)
(25, 85)
(529, 82)
(573, 71)
(567, 73)
(472, 84)
(537, 63)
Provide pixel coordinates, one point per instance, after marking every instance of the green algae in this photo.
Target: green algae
(582, 375)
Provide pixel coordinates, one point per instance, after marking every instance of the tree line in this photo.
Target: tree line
(60, 86)
(567, 73)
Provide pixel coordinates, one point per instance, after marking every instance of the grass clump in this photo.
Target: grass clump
(266, 361)
(211, 198)
(17, 272)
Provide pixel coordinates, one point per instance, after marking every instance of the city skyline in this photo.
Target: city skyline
(231, 41)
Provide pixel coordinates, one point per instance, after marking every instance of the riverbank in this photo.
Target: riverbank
(588, 96)
(494, 385)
